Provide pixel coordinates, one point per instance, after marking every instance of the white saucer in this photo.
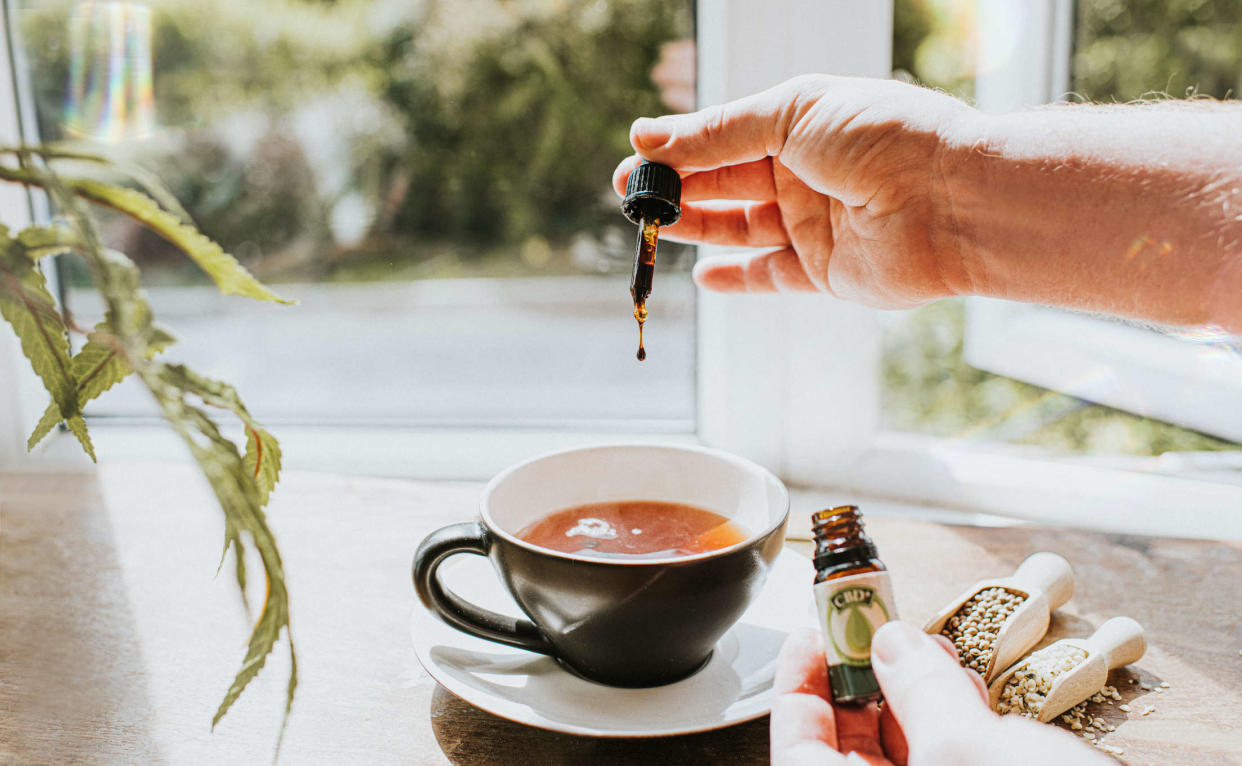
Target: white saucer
(734, 686)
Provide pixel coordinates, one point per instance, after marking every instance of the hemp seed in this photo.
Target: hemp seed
(975, 626)
(1028, 687)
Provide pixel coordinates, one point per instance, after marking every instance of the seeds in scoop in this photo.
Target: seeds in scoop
(973, 628)
(1028, 687)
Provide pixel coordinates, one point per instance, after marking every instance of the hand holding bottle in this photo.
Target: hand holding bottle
(934, 712)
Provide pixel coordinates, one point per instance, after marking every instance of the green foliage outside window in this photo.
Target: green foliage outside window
(1143, 48)
(1124, 50)
(477, 131)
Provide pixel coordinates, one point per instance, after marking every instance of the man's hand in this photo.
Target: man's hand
(934, 713)
(894, 196)
(843, 176)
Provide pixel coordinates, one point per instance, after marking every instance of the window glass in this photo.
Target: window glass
(429, 179)
(1123, 51)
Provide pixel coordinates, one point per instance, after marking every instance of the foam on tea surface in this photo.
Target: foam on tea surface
(633, 529)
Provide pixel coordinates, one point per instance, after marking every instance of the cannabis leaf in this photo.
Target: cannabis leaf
(96, 368)
(239, 489)
(230, 276)
(40, 241)
(140, 175)
(237, 493)
(126, 343)
(28, 306)
(262, 460)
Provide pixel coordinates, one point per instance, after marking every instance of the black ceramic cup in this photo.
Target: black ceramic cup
(624, 623)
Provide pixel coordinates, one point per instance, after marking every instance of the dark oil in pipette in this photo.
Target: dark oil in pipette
(644, 272)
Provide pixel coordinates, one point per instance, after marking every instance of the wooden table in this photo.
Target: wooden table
(116, 643)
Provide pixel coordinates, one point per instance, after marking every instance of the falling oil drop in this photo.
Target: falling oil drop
(644, 269)
(640, 314)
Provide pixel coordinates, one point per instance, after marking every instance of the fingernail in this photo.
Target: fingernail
(894, 640)
(652, 133)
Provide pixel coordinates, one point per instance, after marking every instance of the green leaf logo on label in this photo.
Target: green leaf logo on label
(853, 614)
(857, 632)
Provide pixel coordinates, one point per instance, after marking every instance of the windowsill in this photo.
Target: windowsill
(900, 475)
(534, 352)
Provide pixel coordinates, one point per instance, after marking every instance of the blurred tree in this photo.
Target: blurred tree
(471, 127)
(1124, 50)
(513, 124)
(933, 44)
(1145, 48)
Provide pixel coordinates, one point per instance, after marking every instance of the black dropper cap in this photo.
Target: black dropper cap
(653, 192)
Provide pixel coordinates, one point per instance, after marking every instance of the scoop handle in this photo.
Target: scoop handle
(1046, 573)
(1120, 640)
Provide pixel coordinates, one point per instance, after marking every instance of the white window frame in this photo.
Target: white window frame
(1138, 370)
(22, 397)
(783, 399)
(790, 381)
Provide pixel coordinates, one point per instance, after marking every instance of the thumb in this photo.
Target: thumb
(747, 129)
(931, 696)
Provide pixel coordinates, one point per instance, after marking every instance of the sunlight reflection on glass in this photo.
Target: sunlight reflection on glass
(1031, 414)
(1013, 20)
(1208, 333)
(109, 95)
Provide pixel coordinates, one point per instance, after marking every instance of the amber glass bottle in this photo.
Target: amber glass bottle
(854, 597)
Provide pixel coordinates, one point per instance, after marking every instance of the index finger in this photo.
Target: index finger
(747, 129)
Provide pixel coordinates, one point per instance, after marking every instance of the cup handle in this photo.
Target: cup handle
(468, 537)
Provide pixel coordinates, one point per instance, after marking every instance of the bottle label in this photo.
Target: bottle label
(852, 609)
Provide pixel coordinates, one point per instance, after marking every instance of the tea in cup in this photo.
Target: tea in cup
(630, 561)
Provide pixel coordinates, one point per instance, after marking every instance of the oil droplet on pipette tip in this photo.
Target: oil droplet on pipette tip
(640, 314)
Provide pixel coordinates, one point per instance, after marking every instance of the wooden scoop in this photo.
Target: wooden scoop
(1117, 642)
(1047, 582)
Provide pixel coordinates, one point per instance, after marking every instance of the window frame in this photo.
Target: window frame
(1137, 370)
(731, 330)
(809, 411)
(21, 393)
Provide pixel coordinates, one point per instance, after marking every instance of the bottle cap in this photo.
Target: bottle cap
(653, 191)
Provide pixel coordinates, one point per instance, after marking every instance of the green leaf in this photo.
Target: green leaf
(263, 456)
(289, 691)
(262, 460)
(857, 632)
(128, 330)
(43, 241)
(232, 539)
(238, 495)
(96, 368)
(128, 316)
(51, 418)
(143, 177)
(26, 304)
(77, 426)
(230, 276)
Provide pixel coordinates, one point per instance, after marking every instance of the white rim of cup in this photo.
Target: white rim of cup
(495, 481)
